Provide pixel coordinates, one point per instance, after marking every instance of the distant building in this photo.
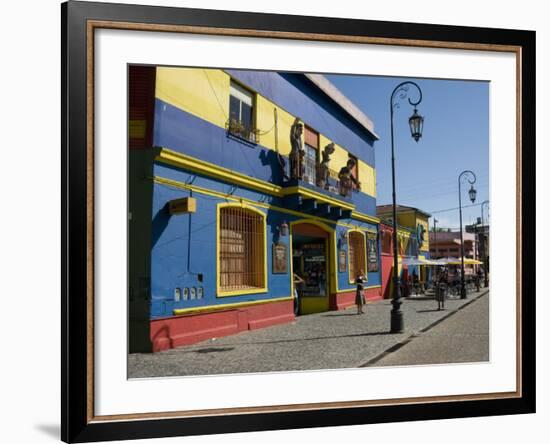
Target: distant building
(483, 245)
(413, 243)
(447, 244)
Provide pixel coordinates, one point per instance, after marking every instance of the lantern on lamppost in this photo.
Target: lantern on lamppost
(473, 194)
(283, 229)
(343, 238)
(416, 123)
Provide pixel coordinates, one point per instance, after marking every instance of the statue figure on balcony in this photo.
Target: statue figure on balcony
(323, 170)
(347, 179)
(297, 152)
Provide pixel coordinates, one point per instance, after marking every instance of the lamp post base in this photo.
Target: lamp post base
(397, 324)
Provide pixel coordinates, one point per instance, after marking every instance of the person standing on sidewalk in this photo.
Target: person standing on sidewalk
(359, 295)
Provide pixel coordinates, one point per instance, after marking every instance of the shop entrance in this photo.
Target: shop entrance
(310, 266)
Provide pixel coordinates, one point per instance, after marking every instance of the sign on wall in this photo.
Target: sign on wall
(372, 252)
(342, 261)
(280, 258)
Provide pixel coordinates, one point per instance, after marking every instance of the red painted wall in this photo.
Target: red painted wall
(341, 301)
(387, 266)
(192, 328)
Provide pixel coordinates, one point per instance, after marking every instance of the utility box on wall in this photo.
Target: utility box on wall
(182, 206)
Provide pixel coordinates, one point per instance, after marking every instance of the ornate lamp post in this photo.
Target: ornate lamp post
(486, 277)
(416, 123)
(435, 237)
(472, 193)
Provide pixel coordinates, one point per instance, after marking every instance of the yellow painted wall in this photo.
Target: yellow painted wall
(367, 174)
(424, 221)
(340, 156)
(204, 93)
(201, 92)
(265, 123)
(367, 177)
(407, 220)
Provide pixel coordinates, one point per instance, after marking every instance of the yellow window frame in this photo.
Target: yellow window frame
(263, 289)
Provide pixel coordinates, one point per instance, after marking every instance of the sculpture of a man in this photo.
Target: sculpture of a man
(323, 170)
(347, 179)
(297, 152)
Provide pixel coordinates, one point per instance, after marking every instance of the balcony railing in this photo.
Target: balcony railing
(313, 174)
(239, 129)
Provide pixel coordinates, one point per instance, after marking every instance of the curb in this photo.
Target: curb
(405, 341)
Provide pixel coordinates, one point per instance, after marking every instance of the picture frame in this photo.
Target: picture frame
(80, 20)
(372, 252)
(280, 258)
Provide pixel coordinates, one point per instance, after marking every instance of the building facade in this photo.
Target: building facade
(413, 244)
(446, 244)
(252, 201)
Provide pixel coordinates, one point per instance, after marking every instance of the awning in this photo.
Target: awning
(419, 261)
(457, 261)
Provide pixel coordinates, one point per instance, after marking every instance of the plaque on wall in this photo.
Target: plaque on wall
(280, 258)
(372, 252)
(342, 261)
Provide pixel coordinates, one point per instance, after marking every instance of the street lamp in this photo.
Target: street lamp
(435, 237)
(416, 124)
(472, 193)
(486, 277)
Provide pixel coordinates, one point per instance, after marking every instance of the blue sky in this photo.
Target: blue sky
(455, 138)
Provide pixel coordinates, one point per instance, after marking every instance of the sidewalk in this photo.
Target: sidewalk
(463, 337)
(338, 339)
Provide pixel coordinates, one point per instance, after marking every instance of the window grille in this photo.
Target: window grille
(356, 247)
(241, 249)
(310, 165)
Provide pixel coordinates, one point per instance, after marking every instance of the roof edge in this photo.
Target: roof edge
(345, 103)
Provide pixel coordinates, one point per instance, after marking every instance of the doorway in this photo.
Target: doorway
(310, 265)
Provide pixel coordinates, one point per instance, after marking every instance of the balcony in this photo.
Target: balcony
(313, 196)
(238, 129)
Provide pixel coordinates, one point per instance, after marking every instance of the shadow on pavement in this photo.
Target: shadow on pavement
(339, 314)
(214, 349)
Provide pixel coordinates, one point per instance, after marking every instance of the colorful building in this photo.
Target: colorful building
(447, 244)
(252, 201)
(413, 244)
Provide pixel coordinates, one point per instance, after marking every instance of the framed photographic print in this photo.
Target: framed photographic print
(195, 139)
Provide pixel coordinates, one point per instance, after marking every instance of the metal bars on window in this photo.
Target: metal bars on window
(241, 249)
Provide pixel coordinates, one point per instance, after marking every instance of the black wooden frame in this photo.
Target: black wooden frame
(75, 423)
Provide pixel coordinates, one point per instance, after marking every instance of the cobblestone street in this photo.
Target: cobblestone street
(340, 339)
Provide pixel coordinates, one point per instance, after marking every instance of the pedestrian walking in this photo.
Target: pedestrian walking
(359, 295)
(298, 283)
(440, 290)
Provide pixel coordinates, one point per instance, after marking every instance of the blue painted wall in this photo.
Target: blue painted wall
(183, 132)
(297, 95)
(184, 246)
